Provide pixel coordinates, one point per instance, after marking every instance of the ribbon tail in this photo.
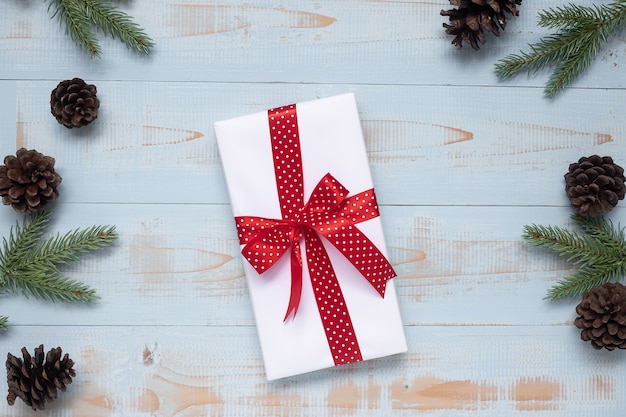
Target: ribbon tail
(296, 282)
(331, 304)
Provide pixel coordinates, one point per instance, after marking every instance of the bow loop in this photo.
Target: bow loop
(265, 240)
(327, 195)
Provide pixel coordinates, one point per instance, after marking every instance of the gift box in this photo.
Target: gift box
(308, 223)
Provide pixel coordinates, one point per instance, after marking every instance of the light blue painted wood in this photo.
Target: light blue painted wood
(460, 160)
(354, 41)
(196, 370)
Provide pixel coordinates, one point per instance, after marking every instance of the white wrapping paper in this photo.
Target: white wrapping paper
(332, 142)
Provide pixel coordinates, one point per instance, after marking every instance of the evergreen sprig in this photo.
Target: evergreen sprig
(82, 18)
(581, 31)
(599, 252)
(30, 266)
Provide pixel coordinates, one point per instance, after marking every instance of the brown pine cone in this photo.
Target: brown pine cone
(603, 316)
(28, 181)
(36, 382)
(594, 185)
(74, 103)
(472, 16)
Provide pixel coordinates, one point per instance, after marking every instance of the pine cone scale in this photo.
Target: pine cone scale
(47, 192)
(16, 192)
(597, 331)
(495, 6)
(38, 387)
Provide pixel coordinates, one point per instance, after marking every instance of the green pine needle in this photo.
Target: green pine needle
(599, 253)
(82, 18)
(31, 267)
(581, 31)
(73, 15)
(118, 24)
(3, 322)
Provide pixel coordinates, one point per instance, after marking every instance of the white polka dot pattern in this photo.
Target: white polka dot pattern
(285, 141)
(331, 304)
(329, 213)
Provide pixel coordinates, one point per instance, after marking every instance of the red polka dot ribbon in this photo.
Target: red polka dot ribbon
(330, 214)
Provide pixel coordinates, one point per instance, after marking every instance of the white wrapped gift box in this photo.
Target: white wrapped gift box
(331, 141)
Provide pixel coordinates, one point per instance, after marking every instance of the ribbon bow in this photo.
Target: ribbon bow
(329, 213)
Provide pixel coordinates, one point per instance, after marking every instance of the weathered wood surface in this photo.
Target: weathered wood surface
(449, 371)
(461, 162)
(347, 42)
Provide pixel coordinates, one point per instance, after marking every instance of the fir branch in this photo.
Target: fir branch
(3, 322)
(581, 31)
(22, 240)
(44, 284)
(82, 18)
(73, 15)
(600, 253)
(64, 248)
(118, 24)
(570, 16)
(30, 267)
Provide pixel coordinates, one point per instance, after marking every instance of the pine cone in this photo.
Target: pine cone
(36, 382)
(603, 316)
(472, 16)
(594, 185)
(28, 181)
(74, 103)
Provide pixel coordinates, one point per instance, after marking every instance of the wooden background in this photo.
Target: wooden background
(461, 161)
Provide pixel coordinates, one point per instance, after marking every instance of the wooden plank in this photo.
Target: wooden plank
(179, 264)
(422, 150)
(352, 41)
(217, 371)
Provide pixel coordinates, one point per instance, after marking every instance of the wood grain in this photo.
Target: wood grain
(199, 370)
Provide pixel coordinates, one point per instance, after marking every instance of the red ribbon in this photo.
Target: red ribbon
(329, 213)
